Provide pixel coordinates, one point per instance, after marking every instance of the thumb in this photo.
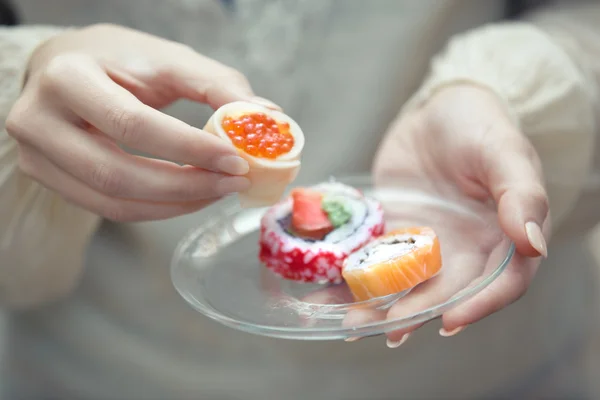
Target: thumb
(512, 173)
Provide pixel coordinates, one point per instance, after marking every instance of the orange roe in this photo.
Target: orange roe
(259, 135)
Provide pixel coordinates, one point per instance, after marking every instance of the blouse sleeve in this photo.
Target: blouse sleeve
(42, 238)
(545, 69)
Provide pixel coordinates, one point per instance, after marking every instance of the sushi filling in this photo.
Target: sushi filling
(324, 216)
(371, 252)
(385, 249)
(337, 211)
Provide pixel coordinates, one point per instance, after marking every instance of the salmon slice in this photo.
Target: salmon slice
(308, 218)
(395, 262)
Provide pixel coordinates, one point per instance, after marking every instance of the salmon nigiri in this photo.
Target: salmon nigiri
(393, 263)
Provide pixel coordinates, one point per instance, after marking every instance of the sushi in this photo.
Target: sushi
(307, 236)
(393, 263)
(269, 140)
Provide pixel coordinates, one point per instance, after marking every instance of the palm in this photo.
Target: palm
(473, 246)
(456, 150)
(446, 155)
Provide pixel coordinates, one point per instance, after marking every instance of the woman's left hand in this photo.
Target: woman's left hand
(464, 136)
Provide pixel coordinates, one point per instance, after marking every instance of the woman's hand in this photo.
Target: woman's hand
(88, 91)
(464, 136)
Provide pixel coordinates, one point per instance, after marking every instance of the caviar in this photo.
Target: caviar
(259, 135)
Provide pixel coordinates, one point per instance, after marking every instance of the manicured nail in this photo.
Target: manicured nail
(392, 345)
(453, 332)
(233, 165)
(265, 103)
(232, 184)
(536, 238)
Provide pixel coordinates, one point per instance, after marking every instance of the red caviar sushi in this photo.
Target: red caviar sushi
(307, 236)
(271, 142)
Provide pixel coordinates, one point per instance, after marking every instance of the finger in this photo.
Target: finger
(514, 178)
(49, 175)
(510, 286)
(107, 169)
(507, 288)
(205, 80)
(360, 317)
(193, 77)
(88, 92)
(336, 294)
(433, 292)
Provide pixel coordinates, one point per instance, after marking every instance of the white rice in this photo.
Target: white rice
(384, 249)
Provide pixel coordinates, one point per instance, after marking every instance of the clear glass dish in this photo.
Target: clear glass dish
(216, 268)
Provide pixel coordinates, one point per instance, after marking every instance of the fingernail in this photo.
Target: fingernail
(233, 165)
(266, 103)
(232, 184)
(392, 345)
(536, 238)
(453, 332)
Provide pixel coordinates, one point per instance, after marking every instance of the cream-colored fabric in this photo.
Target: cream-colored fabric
(549, 95)
(550, 89)
(343, 70)
(42, 238)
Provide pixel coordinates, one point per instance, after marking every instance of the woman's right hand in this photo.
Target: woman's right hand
(90, 90)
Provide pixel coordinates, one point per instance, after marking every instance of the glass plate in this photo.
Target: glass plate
(216, 269)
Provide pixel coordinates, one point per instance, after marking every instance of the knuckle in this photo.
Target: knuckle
(182, 192)
(189, 192)
(127, 123)
(60, 69)
(106, 179)
(16, 124)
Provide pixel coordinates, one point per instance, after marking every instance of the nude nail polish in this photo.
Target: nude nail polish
(233, 165)
(453, 332)
(393, 345)
(536, 238)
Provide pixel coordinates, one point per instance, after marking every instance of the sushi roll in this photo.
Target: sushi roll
(307, 236)
(269, 140)
(393, 263)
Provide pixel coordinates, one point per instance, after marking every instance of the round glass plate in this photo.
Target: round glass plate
(216, 268)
